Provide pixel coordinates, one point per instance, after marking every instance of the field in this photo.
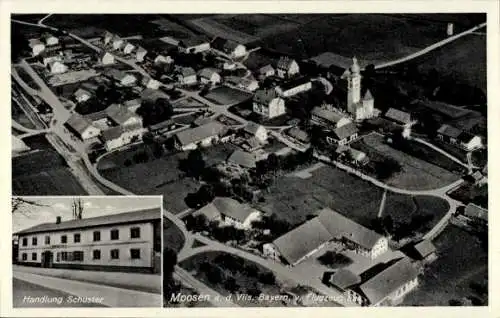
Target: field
(469, 193)
(172, 236)
(19, 116)
(225, 95)
(462, 260)
(244, 281)
(416, 174)
(295, 199)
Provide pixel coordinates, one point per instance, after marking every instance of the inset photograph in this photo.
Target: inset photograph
(86, 251)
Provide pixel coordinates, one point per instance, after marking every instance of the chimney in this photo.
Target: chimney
(58, 220)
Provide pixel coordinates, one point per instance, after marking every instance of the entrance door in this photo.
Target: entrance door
(47, 259)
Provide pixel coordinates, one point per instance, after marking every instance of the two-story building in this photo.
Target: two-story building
(267, 103)
(118, 242)
(202, 136)
(342, 135)
(328, 118)
(230, 48)
(287, 67)
(83, 128)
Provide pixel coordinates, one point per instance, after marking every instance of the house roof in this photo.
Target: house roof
(285, 62)
(119, 114)
(242, 158)
(187, 71)
(224, 45)
(78, 123)
(264, 96)
(112, 133)
(299, 134)
(384, 283)
(300, 241)
(449, 131)
(81, 92)
(33, 42)
(398, 115)
(170, 40)
(328, 115)
(207, 72)
(344, 278)
(193, 41)
(152, 94)
(294, 83)
(341, 226)
(252, 127)
(368, 95)
(266, 68)
(127, 217)
(425, 248)
(197, 134)
(345, 131)
(232, 208)
(210, 211)
(116, 74)
(472, 210)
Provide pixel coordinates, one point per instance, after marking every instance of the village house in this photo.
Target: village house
(81, 95)
(209, 75)
(151, 83)
(343, 279)
(117, 242)
(162, 59)
(107, 37)
(255, 130)
(355, 156)
(82, 128)
(399, 116)
(294, 87)
(303, 241)
(57, 67)
(299, 135)
(117, 42)
(194, 45)
(51, 58)
(140, 54)
(186, 76)
(242, 159)
(202, 136)
(230, 212)
(267, 103)
(121, 77)
(459, 138)
(49, 39)
(122, 116)
(128, 48)
(388, 286)
(342, 135)
(36, 46)
(231, 48)
(266, 71)
(425, 250)
(106, 58)
(329, 118)
(476, 214)
(287, 67)
(119, 136)
(247, 84)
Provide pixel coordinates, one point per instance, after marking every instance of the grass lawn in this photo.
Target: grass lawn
(58, 181)
(416, 174)
(20, 117)
(461, 260)
(244, 281)
(226, 95)
(172, 236)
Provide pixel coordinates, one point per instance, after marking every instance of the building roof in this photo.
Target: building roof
(328, 115)
(242, 158)
(170, 40)
(294, 83)
(193, 41)
(266, 68)
(33, 42)
(299, 134)
(252, 127)
(285, 62)
(224, 45)
(398, 115)
(78, 123)
(81, 92)
(300, 241)
(425, 248)
(345, 131)
(197, 134)
(232, 208)
(344, 278)
(116, 74)
(187, 71)
(208, 72)
(389, 280)
(472, 210)
(119, 114)
(137, 216)
(162, 125)
(341, 226)
(449, 131)
(210, 211)
(112, 133)
(368, 95)
(264, 96)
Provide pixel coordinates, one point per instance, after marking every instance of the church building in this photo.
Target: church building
(359, 108)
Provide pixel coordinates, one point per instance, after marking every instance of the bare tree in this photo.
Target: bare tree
(19, 204)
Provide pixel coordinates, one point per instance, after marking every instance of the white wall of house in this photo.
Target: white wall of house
(239, 51)
(140, 55)
(107, 59)
(128, 80)
(188, 80)
(90, 132)
(58, 68)
(87, 245)
(295, 90)
(202, 47)
(82, 98)
(400, 292)
(472, 144)
(52, 40)
(37, 49)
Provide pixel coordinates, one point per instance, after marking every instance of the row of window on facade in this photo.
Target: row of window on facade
(77, 256)
(135, 232)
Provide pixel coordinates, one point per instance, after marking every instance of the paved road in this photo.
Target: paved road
(111, 296)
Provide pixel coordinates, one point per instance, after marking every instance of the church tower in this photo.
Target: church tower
(353, 86)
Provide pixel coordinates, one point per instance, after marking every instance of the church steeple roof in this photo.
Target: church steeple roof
(368, 95)
(355, 66)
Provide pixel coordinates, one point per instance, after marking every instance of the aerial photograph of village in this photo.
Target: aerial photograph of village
(303, 160)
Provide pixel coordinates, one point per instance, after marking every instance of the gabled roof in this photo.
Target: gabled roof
(197, 134)
(252, 127)
(389, 280)
(294, 83)
(137, 216)
(345, 131)
(368, 95)
(232, 208)
(449, 131)
(425, 248)
(209, 211)
(33, 42)
(207, 72)
(242, 158)
(398, 116)
(472, 210)
(344, 278)
(112, 133)
(119, 114)
(265, 96)
(116, 74)
(224, 45)
(285, 62)
(328, 115)
(187, 71)
(266, 68)
(78, 123)
(299, 134)
(170, 40)
(81, 92)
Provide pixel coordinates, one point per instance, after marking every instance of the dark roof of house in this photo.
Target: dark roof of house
(162, 125)
(294, 83)
(78, 123)
(389, 280)
(345, 131)
(449, 131)
(472, 210)
(127, 217)
(398, 115)
(344, 278)
(252, 127)
(193, 41)
(341, 226)
(265, 96)
(242, 158)
(119, 114)
(197, 134)
(285, 62)
(187, 71)
(224, 45)
(328, 115)
(112, 133)
(299, 134)
(425, 248)
(210, 211)
(300, 241)
(232, 208)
